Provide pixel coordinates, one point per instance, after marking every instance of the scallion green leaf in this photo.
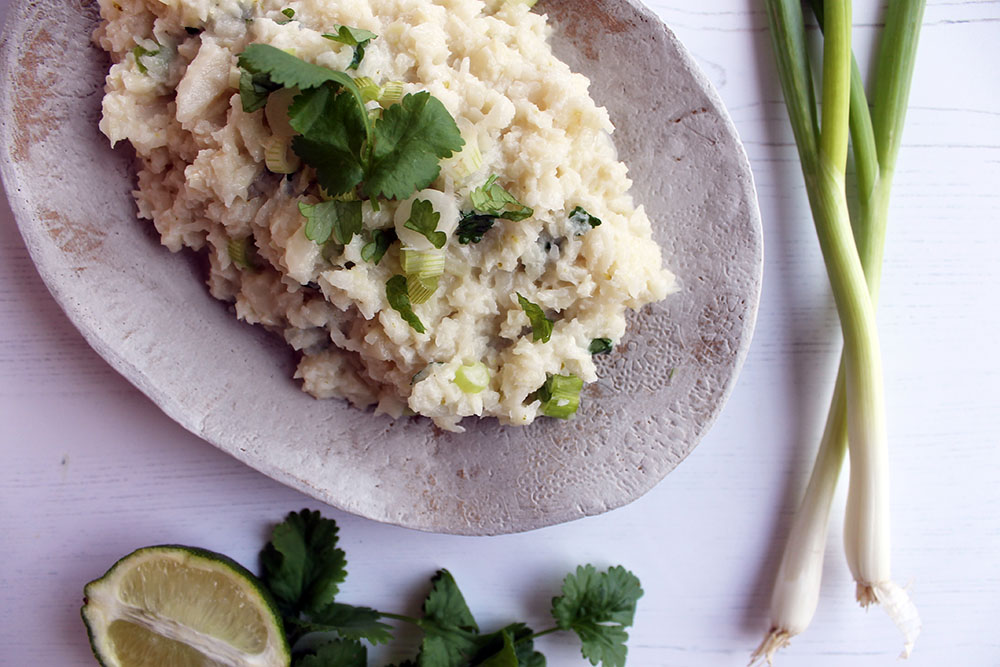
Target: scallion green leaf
(560, 396)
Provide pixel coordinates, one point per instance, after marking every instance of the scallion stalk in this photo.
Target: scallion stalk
(856, 417)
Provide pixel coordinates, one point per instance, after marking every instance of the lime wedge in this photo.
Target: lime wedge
(180, 606)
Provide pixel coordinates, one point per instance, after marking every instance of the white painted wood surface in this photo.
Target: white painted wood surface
(91, 469)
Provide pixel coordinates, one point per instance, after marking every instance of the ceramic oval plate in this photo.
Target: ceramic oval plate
(148, 313)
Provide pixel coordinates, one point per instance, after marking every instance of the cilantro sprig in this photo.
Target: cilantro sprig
(303, 568)
(391, 155)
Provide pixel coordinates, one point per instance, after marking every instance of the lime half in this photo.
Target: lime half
(180, 606)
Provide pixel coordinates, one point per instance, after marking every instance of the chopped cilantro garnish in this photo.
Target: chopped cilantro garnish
(600, 346)
(492, 199)
(410, 140)
(374, 250)
(389, 156)
(582, 221)
(472, 226)
(355, 37)
(398, 297)
(254, 89)
(289, 12)
(286, 70)
(541, 326)
(423, 220)
(332, 131)
(340, 219)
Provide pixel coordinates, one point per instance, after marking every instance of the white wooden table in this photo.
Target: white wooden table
(91, 469)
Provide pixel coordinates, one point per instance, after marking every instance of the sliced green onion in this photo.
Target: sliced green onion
(560, 396)
(420, 289)
(391, 94)
(370, 90)
(242, 254)
(472, 378)
(276, 112)
(468, 161)
(422, 269)
(278, 158)
(423, 263)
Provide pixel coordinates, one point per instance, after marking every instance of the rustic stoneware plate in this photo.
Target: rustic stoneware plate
(148, 313)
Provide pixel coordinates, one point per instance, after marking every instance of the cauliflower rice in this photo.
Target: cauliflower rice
(173, 94)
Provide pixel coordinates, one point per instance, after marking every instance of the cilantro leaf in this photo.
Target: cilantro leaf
(409, 140)
(494, 647)
(492, 199)
(423, 220)
(598, 606)
(254, 89)
(332, 131)
(472, 226)
(600, 346)
(356, 37)
(448, 625)
(541, 326)
(301, 565)
(341, 219)
(289, 12)
(347, 621)
(505, 657)
(335, 653)
(374, 250)
(287, 70)
(582, 221)
(398, 297)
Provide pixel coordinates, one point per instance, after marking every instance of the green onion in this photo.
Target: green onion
(422, 269)
(278, 158)
(472, 378)
(560, 396)
(423, 263)
(469, 160)
(420, 289)
(370, 90)
(853, 257)
(242, 253)
(392, 93)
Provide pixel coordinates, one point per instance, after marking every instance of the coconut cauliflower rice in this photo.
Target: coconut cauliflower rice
(542, 246)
